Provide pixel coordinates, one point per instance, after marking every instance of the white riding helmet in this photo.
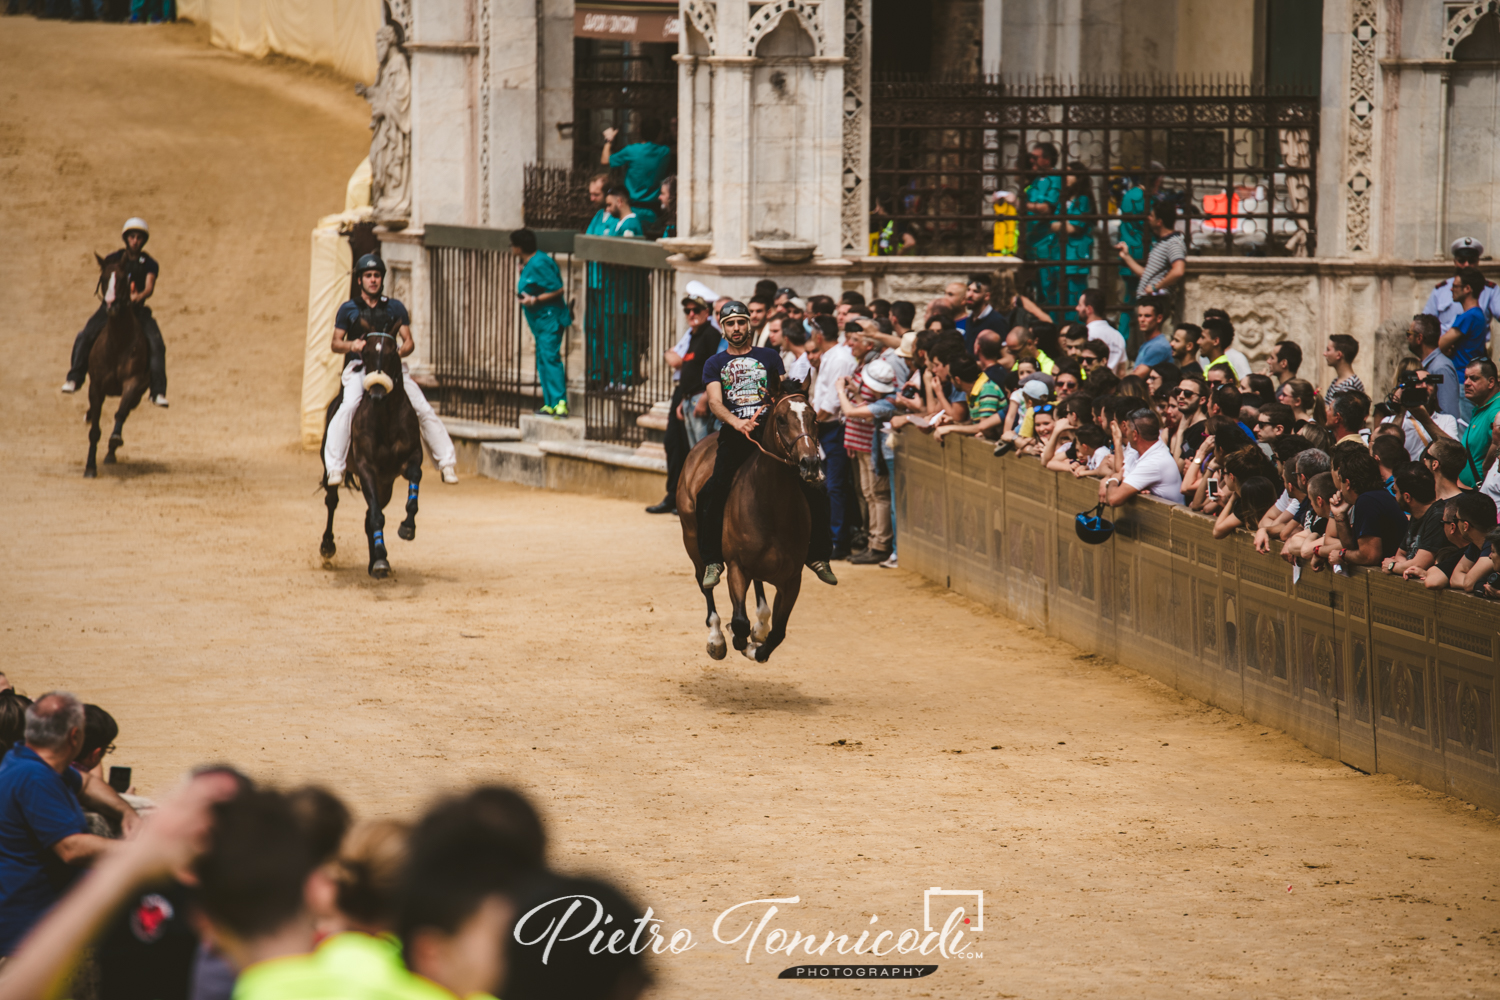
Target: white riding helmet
(137, 224)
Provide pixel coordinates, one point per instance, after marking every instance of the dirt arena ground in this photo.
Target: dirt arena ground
(1130, 842)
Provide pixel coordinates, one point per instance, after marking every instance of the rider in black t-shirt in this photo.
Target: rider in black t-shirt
(142, 269)
(742, 384)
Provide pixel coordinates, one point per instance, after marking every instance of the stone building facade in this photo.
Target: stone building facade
(773, 133)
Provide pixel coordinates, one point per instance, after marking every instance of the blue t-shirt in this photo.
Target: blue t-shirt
(1474, 329)
(1155, 351)
(1378, 513)
(748, 380)
(38, 808)
(645, 165)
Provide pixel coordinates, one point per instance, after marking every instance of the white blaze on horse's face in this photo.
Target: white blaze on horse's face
(797, 408)
(109, 293)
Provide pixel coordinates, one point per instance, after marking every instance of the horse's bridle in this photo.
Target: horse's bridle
(786, 461)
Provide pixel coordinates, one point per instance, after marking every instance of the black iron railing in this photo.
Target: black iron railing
(556, 197)
(1239, 161)
(630, 320)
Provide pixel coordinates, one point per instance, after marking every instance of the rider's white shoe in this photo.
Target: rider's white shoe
(449, 475)
(70, 386)
(160, 401)
(335, 479)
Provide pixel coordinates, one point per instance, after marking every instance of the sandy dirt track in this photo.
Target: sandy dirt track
(1131, 843)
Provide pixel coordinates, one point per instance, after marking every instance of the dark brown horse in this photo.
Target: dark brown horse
(385, 442)
(766, 524)
(119, 364)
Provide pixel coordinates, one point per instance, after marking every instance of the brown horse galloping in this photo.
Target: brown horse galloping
(119, 364)
(384, 442)
(766, 524)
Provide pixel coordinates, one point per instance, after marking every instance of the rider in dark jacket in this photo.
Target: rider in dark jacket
(142, 269)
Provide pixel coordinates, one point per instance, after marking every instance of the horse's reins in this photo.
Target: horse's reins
(755, 440)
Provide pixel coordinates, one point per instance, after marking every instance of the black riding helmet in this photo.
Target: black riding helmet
(369, 262)
(1092, 528)
(734, 308)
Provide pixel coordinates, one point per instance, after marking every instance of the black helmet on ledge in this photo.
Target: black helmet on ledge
(369, 262)
(1092, 528)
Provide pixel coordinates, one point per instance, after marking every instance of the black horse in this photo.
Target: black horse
(119, 364)
(385, 442)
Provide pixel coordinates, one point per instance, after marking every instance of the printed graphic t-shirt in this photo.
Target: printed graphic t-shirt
(748, 380)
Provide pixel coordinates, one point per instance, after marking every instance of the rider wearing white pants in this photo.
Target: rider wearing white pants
(379, 312)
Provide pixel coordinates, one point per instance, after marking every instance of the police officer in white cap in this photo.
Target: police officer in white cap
(1466, 252)
(142, 270)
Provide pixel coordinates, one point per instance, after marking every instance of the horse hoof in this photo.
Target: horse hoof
(718, 650)
(407, 531)
(115, 441)
(380, 569)
(749, 652)
(109, 460)
(328, 550)
(91, 473)
(762, 654)
(741, 641)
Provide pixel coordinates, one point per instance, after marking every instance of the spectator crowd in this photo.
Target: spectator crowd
(1327, 478)
(230, 889)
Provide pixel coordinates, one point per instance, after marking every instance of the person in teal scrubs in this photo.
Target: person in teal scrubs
(645, 164)
(540, 287)
(1137, 200)
(620, 218)
(1076, 234)
(1043, 196)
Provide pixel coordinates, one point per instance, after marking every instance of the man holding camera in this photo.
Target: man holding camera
(1422, 338)
(1418, 399)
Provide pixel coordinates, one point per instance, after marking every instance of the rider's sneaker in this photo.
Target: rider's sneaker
(711, 574)
(70, 386)
(335, 479)
(450, 476)
(560, 410)
(823, 572)
(160, 401)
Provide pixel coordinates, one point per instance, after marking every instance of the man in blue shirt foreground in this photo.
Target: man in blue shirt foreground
(43, 833)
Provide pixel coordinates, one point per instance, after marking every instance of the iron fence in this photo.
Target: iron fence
(482, 357)
(630, 320)
(556, 197)
(620, 91)
(949, 165)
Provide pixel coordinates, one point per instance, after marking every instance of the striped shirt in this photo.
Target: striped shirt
(859, 433)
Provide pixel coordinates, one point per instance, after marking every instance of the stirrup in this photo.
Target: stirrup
(823, 572)
(711, 574)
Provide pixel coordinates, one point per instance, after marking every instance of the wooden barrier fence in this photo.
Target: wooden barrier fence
(1368, 669)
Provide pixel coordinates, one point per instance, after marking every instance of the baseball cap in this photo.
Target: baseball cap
(798, 304)
(1035, 389)
(693, 300)
(790, 293)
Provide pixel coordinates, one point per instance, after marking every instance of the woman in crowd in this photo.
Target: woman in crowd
(1241, 491)
(1304, 400)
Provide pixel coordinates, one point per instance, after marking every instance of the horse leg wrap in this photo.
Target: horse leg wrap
(379, 537)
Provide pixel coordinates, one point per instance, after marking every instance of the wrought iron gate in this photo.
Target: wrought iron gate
(482, 357)
(1239, 161)
(629, 323)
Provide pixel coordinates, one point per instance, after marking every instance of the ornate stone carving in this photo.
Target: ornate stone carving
(390, 123)
(484, 112)
(1461, 24)
(856, 71)
(1296, 151)
(1265, 308)
(1359, 163)
(1324, 666)
(704, 17)
(1404, 694)
(770, 15)
(398, 12)
(1468, 715)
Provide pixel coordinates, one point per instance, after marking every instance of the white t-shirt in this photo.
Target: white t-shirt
(1238, 361)
(1154, 471)
(1100, 454)
(1417, 438)
(799, 367)
(837, 362)
(1491, 485)
(1100, 330)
